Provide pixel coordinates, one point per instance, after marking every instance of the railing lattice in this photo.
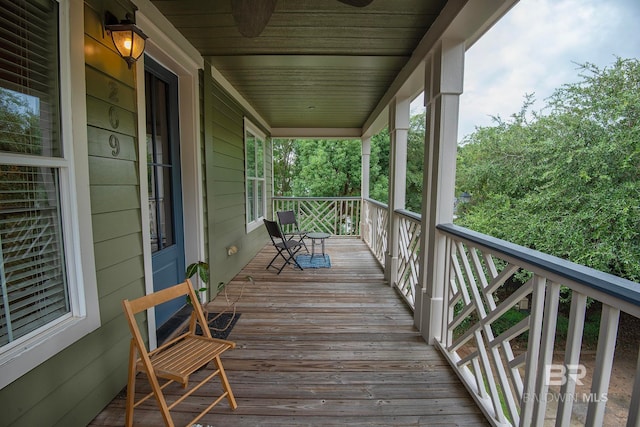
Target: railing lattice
(510, 363)
(375, 223)
(337, 216)
(408, 268)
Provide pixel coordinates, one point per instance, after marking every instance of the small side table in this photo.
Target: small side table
(317, 236)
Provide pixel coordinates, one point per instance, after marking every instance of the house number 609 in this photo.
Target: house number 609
(113, 91)
(115, 144)
(114, 120)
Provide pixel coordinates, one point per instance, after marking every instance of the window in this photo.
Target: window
(42, 307)
(34, 290)
(256, 189)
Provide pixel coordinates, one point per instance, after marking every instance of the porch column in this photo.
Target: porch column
(444, 71)
(364, 183)
(398, 132)
(366, 160)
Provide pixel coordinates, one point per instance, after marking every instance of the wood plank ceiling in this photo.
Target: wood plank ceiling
(318, 63)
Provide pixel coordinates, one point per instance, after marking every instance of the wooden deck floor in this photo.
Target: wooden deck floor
(326, 347)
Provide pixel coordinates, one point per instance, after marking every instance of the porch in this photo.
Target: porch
(339, 346)
(326, 347)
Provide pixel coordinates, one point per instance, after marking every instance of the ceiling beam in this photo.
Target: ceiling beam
(338, 62)
(317, 133)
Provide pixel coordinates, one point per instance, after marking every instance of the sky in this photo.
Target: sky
(535, 49)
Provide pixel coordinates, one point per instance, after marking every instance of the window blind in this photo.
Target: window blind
(33, 284)
(29, 118)
(34, 289)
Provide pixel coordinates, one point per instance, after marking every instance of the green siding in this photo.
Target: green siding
(107, 198)
(121, 145)
(225, 190)
(115, 224)
(109, 89)
(118, 250)
(106, 115)
(112, 172)
(117, 277)
(72, 387)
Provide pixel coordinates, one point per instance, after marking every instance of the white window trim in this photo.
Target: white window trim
(253, 129)
(24, 354)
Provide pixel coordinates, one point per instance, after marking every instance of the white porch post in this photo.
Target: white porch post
(364, 180)
(398, 132)
(444, 72)
(366, 159)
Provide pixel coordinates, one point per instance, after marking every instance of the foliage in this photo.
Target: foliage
(379, 164)
(379, 167)
(200, 268)
(332, 168)
(20, 131)
(322, 168)
(566, 182)
(415, 162)
(590, 332)
(284, 162)
(508, 319)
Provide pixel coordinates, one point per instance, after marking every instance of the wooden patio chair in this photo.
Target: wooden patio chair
(175, 360)
(287, 248)
(290, 228)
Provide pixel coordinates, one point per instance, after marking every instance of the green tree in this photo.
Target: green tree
(332, 168)
(317, 168)
(566, 182)
(284, 165)
(20, 129)
(379, 167)
(415, 163)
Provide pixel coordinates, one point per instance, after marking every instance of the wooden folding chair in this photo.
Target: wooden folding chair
(175, 360)
(287, 248)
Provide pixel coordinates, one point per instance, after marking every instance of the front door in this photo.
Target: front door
(165, 188)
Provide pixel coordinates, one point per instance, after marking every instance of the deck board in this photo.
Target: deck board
(324, 347)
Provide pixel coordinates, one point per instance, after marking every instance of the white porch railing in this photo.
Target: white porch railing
(375, 226)
(375, 233)
(339, 216)
(408, 249)
(519, 374)
(530, 387)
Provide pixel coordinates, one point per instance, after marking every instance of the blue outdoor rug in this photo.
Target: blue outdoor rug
(318, 261)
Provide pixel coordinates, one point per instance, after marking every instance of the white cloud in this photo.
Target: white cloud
(535, 49)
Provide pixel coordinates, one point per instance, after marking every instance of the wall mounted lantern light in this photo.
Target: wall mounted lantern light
(128, 39)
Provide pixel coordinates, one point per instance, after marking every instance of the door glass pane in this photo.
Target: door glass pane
(153, 216)
(166, 210)
(159, 158)
(161, 124)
